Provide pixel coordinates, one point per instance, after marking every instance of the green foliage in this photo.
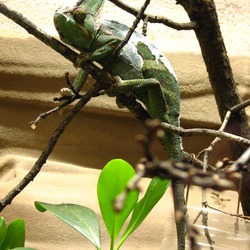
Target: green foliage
(12, 236)
(155, 191)
(22, 248)
(81, 218)
(112, 181)
(3, 230)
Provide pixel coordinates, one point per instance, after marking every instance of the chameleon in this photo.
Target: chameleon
(140, 69)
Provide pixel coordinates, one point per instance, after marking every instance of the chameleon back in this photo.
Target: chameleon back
(140, 59)
(129, 59)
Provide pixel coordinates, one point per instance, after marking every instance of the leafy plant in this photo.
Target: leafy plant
(12, 236)
(112, 181)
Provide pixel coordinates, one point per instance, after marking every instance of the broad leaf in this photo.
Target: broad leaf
(155, 191)
(3, 230)
(81, 218)
(113, 181)
(15, 235)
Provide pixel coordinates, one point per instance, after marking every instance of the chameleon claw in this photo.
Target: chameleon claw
(66, 92)
(117, 79)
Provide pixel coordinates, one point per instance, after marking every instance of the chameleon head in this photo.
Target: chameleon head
(70, 27)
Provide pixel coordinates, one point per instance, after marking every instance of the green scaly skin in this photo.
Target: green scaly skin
(142, 70)
(172, 142)
(166, 109)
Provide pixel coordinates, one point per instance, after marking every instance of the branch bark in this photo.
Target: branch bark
(221, 77)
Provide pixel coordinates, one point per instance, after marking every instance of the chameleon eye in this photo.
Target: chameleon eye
(79, 14)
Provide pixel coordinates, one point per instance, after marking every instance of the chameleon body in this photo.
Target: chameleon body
(143, 71)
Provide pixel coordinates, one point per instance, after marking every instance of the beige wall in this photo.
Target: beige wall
(31, 75)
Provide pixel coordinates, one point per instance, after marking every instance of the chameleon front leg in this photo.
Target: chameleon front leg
(77, 84)
(107, 46)
(100, 49)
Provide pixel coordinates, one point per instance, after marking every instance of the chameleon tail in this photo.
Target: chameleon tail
(173, 146)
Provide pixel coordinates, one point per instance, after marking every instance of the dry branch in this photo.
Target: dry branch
(46, 152)
(156, 19)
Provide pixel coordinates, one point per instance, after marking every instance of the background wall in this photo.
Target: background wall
(32, 74)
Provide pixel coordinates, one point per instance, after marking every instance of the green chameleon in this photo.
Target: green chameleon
(140, 69)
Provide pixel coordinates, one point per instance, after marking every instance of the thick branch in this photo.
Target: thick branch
(59, 47)
(216, 59)
(221, 77)
(97, 73)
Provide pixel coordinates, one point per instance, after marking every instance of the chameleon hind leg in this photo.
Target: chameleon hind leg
(148, 91)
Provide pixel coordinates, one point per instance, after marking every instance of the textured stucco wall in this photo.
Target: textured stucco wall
(181, 47)
(233, 15)
(31, 75)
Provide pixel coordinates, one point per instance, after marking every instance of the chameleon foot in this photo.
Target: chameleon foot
(111, 91)
(66, 92)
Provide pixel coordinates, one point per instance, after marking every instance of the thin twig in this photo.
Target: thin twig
(132, 185)
(46, 152)
(51, 111)
(240, 106)
(145, 26)
(206, 132)
(189, 158)
(131, 30)
(207, 151)
(206, 229)
(241, 162)
(156, 19)
(189, 175)
(231, 214)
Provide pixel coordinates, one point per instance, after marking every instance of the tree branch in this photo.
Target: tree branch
(221, 78)
(58, 46)
(100, 75)
(156, 19)
(205, 132)
(130, 32)
(47, 151)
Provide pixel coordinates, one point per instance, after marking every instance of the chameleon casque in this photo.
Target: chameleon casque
(141, 69)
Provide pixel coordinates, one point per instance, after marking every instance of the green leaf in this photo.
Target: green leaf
(112, 181)
(3, 230)
(155, 191)
(15, 235)
(81, 218)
